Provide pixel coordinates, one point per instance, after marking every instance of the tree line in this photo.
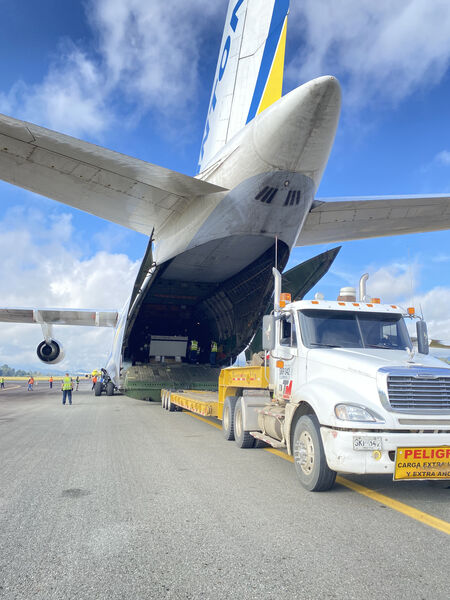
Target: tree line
(6, 371)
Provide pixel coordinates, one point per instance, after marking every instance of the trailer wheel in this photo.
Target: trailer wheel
(110, 388)
(309, 456)
(242, 438)
(228, 417)
(169, 405)
(98, 387)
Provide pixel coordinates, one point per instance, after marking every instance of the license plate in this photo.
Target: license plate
(422, 463)
(367, 443)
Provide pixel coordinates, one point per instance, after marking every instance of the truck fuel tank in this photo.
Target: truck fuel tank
(271, 421)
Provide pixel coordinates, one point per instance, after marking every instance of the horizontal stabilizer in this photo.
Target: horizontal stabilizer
(113, 186)
(60, 316)
(344, 219)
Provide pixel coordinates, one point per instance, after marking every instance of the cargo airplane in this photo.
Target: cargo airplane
(213, 237)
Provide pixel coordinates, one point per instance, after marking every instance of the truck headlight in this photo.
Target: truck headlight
(352, 412)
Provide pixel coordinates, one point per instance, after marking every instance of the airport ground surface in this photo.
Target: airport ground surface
(116, 498)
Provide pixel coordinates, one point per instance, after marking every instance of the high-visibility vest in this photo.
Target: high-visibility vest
(194, 345)
(51, 379)
(213, 346)
(94, 380)
(67, 383)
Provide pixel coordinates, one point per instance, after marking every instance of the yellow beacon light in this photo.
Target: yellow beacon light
(285, 298)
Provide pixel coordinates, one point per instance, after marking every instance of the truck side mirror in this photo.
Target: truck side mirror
(268, 337)
(422, 337)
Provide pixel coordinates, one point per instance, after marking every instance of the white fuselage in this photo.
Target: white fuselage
(293, 136)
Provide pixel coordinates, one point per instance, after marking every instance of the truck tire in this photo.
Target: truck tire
(228, 417)
(163, 399)
(110, 388)
(309, 456)
(242, 438)
(98, 388)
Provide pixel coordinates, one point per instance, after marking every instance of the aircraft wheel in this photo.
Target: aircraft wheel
(98, 387)
(110, 388)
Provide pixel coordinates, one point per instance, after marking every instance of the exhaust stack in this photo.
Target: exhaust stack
(362, 287)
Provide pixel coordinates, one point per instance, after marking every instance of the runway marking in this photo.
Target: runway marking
(400, 507)
(405, 509)
(204, 420)
(12, 387)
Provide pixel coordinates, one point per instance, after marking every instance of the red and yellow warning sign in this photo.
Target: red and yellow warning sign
(422, 463)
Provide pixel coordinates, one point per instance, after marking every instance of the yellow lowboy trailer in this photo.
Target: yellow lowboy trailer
(232, 382)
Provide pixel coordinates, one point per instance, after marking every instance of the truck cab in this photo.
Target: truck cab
(348, 392)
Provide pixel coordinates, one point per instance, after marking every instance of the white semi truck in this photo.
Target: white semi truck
(341, 390)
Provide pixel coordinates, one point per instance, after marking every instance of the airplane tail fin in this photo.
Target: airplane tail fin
(249, 73)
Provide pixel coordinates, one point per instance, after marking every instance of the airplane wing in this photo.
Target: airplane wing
(119, 188)
(60, 316)
(344, 219)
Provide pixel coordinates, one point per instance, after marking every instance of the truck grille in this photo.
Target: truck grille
(409, 393)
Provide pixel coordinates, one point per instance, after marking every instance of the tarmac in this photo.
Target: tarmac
(115, 498)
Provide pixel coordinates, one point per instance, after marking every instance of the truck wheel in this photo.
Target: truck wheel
(309, 456)
(98, 388)
(228, 417)
(163, 399)
(110, 388)
(242, 438)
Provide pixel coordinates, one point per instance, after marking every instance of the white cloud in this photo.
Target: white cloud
(46, 269)
(72, 97)
(153, 47)
(397, 283)
(147, 55)
(432, 305)
(394, 283)
(381, 50)
(443, 157)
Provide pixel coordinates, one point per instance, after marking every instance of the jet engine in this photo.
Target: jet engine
(50, 352)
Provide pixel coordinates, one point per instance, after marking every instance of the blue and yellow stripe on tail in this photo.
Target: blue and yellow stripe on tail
(269, 84)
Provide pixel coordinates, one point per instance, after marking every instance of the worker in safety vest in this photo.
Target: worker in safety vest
(66, 388)
(193, 351)
(2, 382)
(213, 354)
(30, 384)
(94, 381)
(50, 382)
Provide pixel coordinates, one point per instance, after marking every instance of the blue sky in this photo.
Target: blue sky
(137, 79)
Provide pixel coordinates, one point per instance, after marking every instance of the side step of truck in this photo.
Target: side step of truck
(267, 439)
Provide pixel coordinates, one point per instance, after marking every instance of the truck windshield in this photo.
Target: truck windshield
(336, 329)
